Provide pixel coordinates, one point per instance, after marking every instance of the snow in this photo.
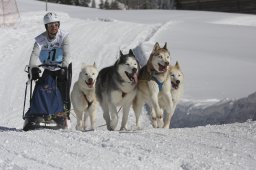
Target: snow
(213, 126)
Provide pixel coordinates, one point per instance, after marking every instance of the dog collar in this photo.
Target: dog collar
(160, 84)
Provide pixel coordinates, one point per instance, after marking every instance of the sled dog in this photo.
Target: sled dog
(154, 87)
(177, 90)
(116, 86)
(83, 97)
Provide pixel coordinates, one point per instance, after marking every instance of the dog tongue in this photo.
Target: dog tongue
(90, 85)
(162, 68)
(135, 77)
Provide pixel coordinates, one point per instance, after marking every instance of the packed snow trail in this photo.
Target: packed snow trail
(232, 146)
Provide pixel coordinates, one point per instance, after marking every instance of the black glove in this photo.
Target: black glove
(63, 74)
(34, 71)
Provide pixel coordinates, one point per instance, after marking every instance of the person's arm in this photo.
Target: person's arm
(66, 52)
(33, 69)
(34, 56)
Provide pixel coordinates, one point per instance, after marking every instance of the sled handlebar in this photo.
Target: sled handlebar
(50, 65)
(44, 65)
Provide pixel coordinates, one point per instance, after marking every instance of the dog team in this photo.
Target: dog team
(124, 85)
(118, 87)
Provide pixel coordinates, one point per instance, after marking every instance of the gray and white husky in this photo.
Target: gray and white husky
(116, 86)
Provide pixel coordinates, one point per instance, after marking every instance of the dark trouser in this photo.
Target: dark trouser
(64, 79)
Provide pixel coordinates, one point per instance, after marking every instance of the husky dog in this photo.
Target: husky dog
(177, 90)
(154, 87)
(116, 86)
(83, 96)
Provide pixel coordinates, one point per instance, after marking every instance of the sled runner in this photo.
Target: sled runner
(46, 105)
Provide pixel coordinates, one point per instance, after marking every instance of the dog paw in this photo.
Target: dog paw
(110, 128)
(160, 123)
(154, 123)
(113, 123)
(93, 125)
(123, 129)
(138, 128)
(79, 128)
(166, 126)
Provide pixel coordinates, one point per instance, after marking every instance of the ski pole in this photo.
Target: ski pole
(25, 99)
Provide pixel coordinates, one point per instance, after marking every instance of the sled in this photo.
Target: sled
(46, 108)
(45, 122)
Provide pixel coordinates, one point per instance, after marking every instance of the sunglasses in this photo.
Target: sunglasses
(53, 24)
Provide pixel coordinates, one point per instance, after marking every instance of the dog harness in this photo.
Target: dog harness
(89, 103)
(160, 84)
(145, 75)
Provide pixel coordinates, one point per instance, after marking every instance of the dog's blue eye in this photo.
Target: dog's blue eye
(172, 75)
(160, 56)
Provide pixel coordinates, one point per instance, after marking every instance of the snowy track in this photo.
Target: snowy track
(211, 147)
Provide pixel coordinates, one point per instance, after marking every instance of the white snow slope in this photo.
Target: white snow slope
(212, 128)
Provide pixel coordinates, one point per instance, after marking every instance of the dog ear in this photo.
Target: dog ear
(165, 46)
(121, 54)
(156, 47)
(177, 65)
(94, 65)
(131, 53)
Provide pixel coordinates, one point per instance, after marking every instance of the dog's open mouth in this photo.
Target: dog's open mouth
(132, 76)
(162, 68)
(175, 85)
(90, 84)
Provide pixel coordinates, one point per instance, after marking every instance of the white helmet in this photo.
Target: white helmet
(51, 17)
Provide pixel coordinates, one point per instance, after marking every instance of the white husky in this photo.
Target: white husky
(177, 90)
(154, 87)
(83, 96)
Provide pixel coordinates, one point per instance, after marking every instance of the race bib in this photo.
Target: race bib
(51, 56)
